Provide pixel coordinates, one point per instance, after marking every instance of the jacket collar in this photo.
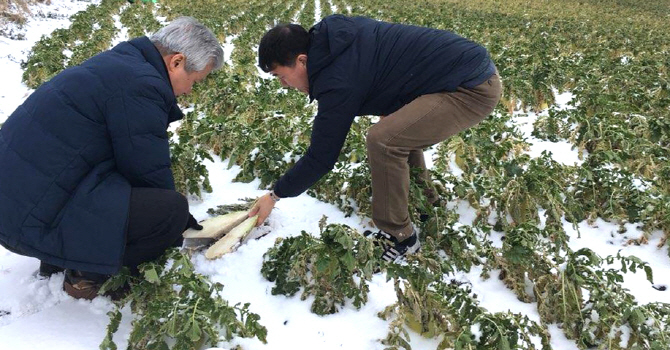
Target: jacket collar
(328, 39)
(153, 56)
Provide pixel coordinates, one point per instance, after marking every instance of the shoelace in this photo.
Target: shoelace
(399, 249)
(392, 249)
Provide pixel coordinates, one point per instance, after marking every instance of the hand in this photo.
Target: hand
(193, 223)
(262, 208)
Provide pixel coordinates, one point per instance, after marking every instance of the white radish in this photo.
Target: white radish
(230, 241)
(217, 226)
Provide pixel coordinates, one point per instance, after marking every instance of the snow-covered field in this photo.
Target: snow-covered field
(36, 314)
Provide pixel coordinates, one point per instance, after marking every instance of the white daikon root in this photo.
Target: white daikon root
(217, 226)
(230, 241)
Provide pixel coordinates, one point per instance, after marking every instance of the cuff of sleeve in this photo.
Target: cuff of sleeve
(278, 192)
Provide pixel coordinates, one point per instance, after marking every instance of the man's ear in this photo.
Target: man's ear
(301, 59)
(176, 61)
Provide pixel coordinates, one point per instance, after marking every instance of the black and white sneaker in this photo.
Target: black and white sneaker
(394, 250)
(408, 246)
(380, 239)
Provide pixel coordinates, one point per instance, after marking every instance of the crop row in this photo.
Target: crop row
(611, 56)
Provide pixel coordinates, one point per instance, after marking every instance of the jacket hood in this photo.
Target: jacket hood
(328, 39)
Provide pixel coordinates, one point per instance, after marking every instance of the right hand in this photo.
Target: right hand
(262, 208)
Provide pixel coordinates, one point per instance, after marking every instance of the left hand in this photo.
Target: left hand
(193, 223)
(262, 208)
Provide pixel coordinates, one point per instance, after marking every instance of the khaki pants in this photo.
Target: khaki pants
(396, 143)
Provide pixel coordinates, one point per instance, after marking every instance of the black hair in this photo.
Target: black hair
(281, 45)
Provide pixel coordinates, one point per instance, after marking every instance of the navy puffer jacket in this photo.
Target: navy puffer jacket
(360, 66)
(71, 152)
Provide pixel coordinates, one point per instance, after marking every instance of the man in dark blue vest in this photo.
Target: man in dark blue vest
(85, 181)
(429, 84)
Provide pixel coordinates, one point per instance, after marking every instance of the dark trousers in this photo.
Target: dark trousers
(156, 221)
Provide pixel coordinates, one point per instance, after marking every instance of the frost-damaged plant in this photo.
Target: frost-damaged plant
(348, 185)
(505, 331)
(420, 306)
(498, 177)
(432, 307)
(223, 209)
(139, 18)
(592, 307)
(187, 156)
(523, 258)
(553, 126)
(90, 33)
(333, 268)
(609, 192)
(175, 305)
(461, 244)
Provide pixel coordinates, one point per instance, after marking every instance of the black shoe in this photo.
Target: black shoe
(48, 270)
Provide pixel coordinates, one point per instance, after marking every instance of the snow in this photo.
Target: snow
(317, 11)
(604, 239)
(122, 34)
(333, 8)
(46, 19)
(35, 313)
(261, 73)
(562, 152)
(228, 47)
(476, 330)
(295, 17)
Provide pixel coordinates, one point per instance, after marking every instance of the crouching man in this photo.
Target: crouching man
(85, 178)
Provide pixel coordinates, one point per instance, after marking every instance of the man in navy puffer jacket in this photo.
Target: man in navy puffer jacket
(427, 85)
(85, 181)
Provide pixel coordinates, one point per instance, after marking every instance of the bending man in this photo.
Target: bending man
(430, 84)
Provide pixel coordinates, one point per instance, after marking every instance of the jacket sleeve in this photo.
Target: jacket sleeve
(137, 121)
(337, 109)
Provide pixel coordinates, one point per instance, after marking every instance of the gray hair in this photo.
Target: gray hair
(189, 37)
